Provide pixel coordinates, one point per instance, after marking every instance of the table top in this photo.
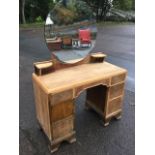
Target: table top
(72, 77)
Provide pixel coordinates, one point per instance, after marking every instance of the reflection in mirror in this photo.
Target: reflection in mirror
(70, 30)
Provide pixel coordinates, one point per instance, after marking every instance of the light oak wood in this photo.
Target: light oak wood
(78, 76)
(55, 93)
(41, 68)
(44, 65)
(55, 64)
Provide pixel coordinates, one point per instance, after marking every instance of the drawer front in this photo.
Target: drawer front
(114, 105)
(118, 78)
(63, 127)
(62, 110)
(62, 96)
(116, 90)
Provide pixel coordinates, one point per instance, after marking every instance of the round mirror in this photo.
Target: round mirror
(70, 30)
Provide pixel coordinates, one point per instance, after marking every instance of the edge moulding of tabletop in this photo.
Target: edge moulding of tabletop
(57, 85)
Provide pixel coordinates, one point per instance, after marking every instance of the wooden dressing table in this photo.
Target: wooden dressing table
(55, 93)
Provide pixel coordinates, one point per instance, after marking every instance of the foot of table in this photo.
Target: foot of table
(118, 117)
(71, 139)
(54, 148)
(106, 122)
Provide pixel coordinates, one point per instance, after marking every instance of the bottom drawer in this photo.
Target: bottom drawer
(63, 127)
(114, 105)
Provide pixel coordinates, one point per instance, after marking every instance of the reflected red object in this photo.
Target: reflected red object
(85, 36)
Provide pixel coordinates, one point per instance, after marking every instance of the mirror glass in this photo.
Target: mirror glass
(70, 30)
